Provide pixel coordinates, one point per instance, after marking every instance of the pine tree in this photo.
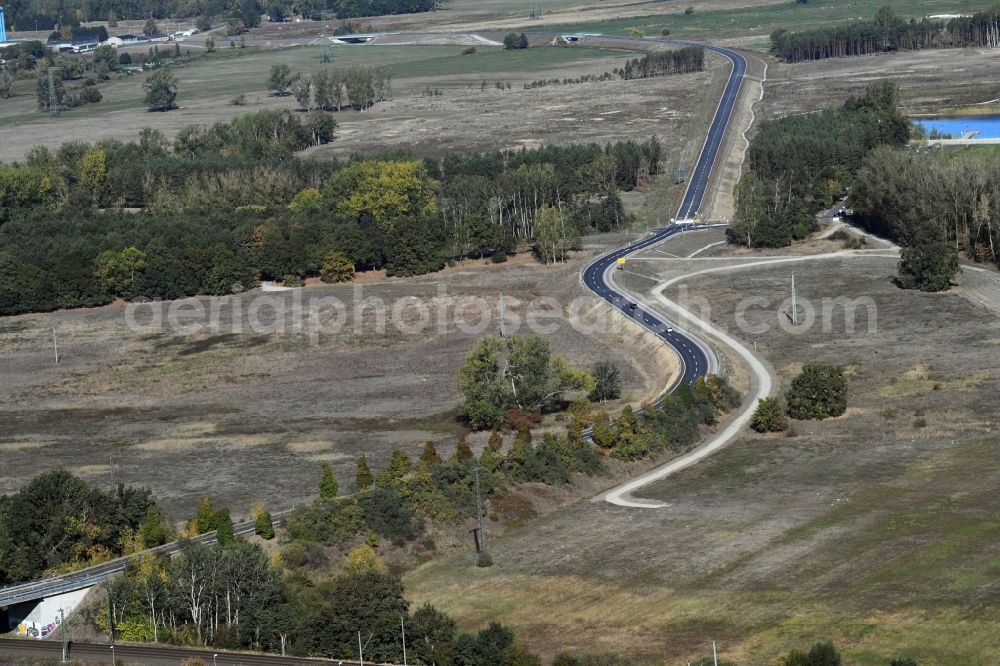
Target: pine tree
(495, 442)
(328, 487)
(430, 455)
(463, 451)
(205, 519)
(363, 479)
(224, 530)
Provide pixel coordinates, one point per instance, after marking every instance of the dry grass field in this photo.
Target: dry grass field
(929, 80)
(246, 416)
(877, 529)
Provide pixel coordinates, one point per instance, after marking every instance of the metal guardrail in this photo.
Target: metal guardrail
(78, 580)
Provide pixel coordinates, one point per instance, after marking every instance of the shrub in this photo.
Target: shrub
(469, 51)
(928, 267)
(385, 513)
(665, 32)
(768, 416)
(327, 521)
(818, 392)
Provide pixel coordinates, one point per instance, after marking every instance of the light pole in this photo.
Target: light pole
(63, 628)
(214, 656)
(114, 662)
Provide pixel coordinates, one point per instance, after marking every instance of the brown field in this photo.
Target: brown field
(877, 529)
(245, 416)
(928, 80)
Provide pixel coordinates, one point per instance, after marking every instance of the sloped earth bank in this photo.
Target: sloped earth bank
(876, 529)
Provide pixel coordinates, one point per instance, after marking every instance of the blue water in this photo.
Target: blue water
(987, 126)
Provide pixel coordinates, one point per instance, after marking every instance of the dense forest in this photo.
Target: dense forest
(887, 32)
(40, 15)
(662, 63)
(800, 164)
(934, 205)
(231, 204)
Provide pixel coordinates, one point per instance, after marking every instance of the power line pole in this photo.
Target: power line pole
(55, 344)
(715, 657)
(361, 652)
(53, 99)
(795, 306)
(534, 10)
(402, 629)
(65, 639)
(111, 468)
(479, 513)
(503, 332)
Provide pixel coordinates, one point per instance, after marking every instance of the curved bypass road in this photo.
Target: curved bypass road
(696, 358)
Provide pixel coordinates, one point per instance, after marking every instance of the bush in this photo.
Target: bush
(469, 51)
(768, 417)
(818, 392)
(927, 267)
(327, 521)
(665, 32)
(385, 513)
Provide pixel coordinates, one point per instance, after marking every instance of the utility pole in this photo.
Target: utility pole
(715, 657)
(111, 623)
(53, 99)
(361, 651)
(55, 344)
(795, 306)
(402, 629)
(111, 468)
(479, 511)
(65, 639)
(503, 332)
(535, 10)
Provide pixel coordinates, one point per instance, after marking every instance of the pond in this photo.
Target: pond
(988, 127)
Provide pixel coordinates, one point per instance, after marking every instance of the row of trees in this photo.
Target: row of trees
(887, 32)
(358, 87)
(800, 164)
(674, 424)
(934, 205)
(230, 204)
(662, 63)
(39, 15)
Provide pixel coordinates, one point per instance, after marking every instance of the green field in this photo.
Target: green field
(763, 20)
(231, 72)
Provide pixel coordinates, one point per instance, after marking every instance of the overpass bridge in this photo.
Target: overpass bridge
(32, 608)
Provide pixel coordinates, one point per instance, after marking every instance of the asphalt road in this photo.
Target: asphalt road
(597, 277)
(150, 655)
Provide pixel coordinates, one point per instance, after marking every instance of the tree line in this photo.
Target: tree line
(357, 87)
(37, 14)
(663, 63)
(887, 32)
(230, 204)
(935, 205)
(800, 164)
